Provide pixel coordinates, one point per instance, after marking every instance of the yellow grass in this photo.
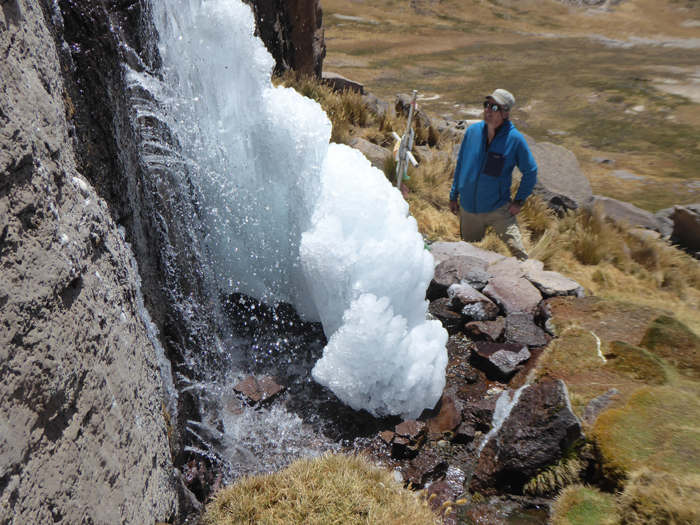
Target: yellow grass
(334, 489)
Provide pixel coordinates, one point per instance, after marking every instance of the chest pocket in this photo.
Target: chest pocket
(494, 164)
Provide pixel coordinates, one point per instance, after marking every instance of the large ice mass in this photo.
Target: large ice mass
(292, 218)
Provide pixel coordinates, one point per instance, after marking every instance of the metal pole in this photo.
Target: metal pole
(406, 144)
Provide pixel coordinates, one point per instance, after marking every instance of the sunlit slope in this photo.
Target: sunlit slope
(601, 83)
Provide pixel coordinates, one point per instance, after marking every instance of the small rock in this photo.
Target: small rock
(603, 160)
(453, 271)
(500, 360)
(493, 330)
(427, 467)
(340, 83)
(471, 303)
(449, 417)
(440, 309)
(553, 284)
(258, 390)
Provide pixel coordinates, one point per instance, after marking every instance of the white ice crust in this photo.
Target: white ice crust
(291, 218)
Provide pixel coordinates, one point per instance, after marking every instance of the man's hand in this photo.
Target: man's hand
(454, 207)
(514, 208)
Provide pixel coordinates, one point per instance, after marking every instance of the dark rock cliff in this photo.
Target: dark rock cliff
(292, 31)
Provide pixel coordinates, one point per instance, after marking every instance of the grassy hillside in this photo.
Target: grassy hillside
(603, 84)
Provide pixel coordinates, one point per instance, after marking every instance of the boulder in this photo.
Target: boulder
(492, 330)
(455, 270)
(340, 83)
(560, 181)
(554, 284)
(375, 154)
(513, 294)
(625, 212)
(444, 250)
(380, 107)
(540, 430)
(522, 330)
(500, 360)
(471, 304)
(686, 227)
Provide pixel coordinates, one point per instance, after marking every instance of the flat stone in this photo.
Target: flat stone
(386, 436)
(522, 330)
(449, 417)
(471, 303)
(500, 360)
(510, 267)
(554, 284)
(513, 294)
(258, 390)
(442, 251)
(440, 309)
(491, 329)
(413, 430)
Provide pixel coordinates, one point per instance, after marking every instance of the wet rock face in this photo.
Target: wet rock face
(83, 435)
(540, 430)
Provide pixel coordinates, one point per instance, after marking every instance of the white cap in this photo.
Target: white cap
(504, 98)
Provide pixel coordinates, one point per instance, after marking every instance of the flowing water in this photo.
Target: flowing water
(275, 212)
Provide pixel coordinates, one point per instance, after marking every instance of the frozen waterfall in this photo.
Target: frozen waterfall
(292, 218)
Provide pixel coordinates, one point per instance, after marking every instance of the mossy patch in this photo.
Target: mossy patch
(672, 340)
(637, 363)
(580, 505)
(658, 428)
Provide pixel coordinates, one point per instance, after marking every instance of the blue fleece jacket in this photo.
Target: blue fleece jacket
(484, 173)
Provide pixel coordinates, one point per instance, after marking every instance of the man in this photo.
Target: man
(481, 185)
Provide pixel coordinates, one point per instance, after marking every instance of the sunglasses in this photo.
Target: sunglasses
(493, 106)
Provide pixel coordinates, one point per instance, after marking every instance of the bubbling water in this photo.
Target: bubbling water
(288, 217)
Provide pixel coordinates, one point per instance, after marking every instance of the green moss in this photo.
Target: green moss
(657, 428)
(636, 363)
(580, 505)
(675, 342)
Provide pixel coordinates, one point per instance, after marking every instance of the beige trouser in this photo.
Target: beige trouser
(472, 228)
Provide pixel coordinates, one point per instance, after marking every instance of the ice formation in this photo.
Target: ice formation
(291, 218)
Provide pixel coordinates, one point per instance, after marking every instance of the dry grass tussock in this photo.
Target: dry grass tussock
(332, 489)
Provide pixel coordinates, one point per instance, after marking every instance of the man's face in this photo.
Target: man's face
(491, 117)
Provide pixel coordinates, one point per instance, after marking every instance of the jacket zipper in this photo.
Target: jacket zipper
(488, 146)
